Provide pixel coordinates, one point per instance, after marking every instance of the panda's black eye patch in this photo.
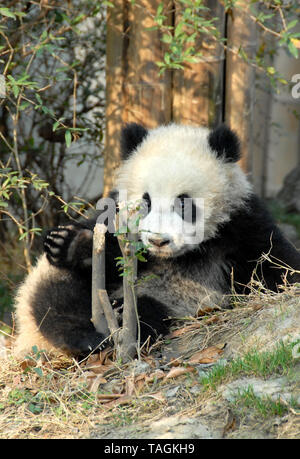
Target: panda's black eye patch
(146, 205)
(185, 207)
(147, 199)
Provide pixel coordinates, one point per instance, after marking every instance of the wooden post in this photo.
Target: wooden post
(134, 90)
(147, 96)
(240, 87)
(115, 49)
(198, 88)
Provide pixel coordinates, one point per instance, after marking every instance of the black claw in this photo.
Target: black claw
(69, 246)
(92, 343)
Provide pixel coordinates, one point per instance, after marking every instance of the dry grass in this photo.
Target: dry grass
(47, 406)
(60, 398)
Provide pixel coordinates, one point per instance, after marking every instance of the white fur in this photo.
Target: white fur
(174, 160)
(28, 333)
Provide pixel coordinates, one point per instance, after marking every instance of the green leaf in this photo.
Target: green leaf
(23, 236)
(282, 80)
(38, 371)
(55, 126)
(166, 38)
(38, 97)
(292, 49)
(178, 29)
(68, 138)
(243, 54)
(167, 58)
(62, 69)
(35, 408)
(6, 12)
(44, 35)
(77, 19)
(292, 24)
(140, 257)
(160, 9)
(15, 88)
(24, 105)
(34, 349)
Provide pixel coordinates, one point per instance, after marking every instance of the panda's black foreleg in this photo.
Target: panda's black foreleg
(83, 339)
(153, 317)
(154, 322)
(69, 246)
(84, 344)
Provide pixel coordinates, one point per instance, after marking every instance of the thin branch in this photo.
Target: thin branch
(74, 98)
(11, 53)
(103, 316)
(128, 345)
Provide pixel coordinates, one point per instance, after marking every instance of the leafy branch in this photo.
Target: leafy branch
(194, 19)
(45, 82)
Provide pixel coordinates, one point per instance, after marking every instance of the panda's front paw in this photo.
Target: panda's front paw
(91, 344)
(69, 246)
(57, 242)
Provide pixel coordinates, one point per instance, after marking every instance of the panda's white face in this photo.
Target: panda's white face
(186, 189)
(170, 225)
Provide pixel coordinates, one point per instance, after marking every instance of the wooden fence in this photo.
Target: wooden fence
(222, 87)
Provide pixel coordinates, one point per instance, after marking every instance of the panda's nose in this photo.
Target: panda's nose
(159, 241)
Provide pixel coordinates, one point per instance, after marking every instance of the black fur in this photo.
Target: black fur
(67, 324)
(57, 243)
(83, 234)
(239, 243)
(63, 311)
(62, 307)
(131, 136)
(225, 143)
(64, 318)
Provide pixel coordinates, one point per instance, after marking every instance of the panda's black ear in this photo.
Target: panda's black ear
(132, 135)
(225, 143)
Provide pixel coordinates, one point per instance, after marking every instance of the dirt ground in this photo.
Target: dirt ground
(206, 380)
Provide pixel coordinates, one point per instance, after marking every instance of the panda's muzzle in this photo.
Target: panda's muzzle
(158, 241)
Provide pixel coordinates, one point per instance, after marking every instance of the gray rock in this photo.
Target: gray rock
(274, 388)
(289, 195)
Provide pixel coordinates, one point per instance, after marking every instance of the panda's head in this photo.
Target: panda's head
(187, 179)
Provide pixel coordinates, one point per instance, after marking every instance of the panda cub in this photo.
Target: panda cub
(204, 229)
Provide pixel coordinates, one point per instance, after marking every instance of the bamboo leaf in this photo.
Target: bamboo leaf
(292, 49)
(68, 138)
(6, 12)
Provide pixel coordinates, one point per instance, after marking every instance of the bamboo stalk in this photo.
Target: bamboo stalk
(98, 280)
(103, 316)
(109, 315)
(128, 345)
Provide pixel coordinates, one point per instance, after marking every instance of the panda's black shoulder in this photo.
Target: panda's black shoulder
(250, 227)
(251, 234)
